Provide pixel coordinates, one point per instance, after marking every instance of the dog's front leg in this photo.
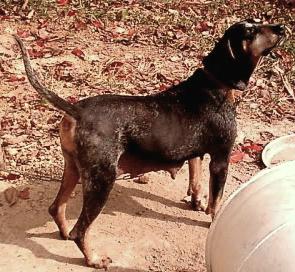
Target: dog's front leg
(218, 172)
(97, 183)
(195, 189)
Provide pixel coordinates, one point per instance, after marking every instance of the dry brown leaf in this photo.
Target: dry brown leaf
(79, 53)
(236, 156)
(10, 195)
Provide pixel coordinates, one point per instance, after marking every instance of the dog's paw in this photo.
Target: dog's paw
(64, 234)
(196, 204)
(210, 211)
(99, 263)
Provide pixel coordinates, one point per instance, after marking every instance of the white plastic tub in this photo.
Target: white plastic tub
(255, 228)
(279, 150)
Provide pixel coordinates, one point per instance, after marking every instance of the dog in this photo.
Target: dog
(104, 136)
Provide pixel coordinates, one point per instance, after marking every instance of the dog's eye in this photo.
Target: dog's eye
(250, 33)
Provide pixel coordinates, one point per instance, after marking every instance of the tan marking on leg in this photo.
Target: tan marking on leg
(67, 130)
(195, 183)
(58, 207)
(231, 96)
(70, 175)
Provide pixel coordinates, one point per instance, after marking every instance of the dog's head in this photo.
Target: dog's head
(235, 56)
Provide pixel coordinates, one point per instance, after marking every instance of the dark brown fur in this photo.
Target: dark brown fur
(104, 136)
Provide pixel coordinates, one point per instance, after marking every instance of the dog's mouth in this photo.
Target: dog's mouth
(267, 51)
(279, 42)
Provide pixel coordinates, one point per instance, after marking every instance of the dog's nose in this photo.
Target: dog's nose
(279, 29)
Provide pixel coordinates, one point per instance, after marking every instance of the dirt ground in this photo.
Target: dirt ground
(143, 227)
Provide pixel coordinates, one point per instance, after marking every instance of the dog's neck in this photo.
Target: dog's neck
(232, 69)
(227, 90)
(219, 84)
(200, 84)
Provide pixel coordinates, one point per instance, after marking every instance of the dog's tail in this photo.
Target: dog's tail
(53, 98)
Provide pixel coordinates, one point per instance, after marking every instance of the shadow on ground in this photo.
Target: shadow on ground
(27, 215)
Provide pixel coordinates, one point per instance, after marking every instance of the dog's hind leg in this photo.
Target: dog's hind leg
(58, 208)
(218, 172)
(97, 179)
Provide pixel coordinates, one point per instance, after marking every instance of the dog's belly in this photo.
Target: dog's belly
(137, 165)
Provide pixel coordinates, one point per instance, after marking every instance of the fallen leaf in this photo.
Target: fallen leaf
(12, 176)
(65, 63)
(203, 26)
(33, 53)
(71, 13)
(24, 194)
(40, 42)
(236, 156)
(98, 24)
(62, 2)
(10, 195)
(5, 17)
(248, 148)
(79, 53)
(80, 25)
(14, 78)
(23, 33)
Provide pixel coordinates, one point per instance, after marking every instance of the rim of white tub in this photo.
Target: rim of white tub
(266, 157)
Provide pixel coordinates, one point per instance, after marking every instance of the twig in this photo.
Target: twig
(287, 85)
(25, 4)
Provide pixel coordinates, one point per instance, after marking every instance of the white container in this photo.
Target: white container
(279, 150)
(254, 231)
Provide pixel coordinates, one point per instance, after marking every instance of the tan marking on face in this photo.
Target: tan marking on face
(67, 130)
(264, 40)
(245, 46)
